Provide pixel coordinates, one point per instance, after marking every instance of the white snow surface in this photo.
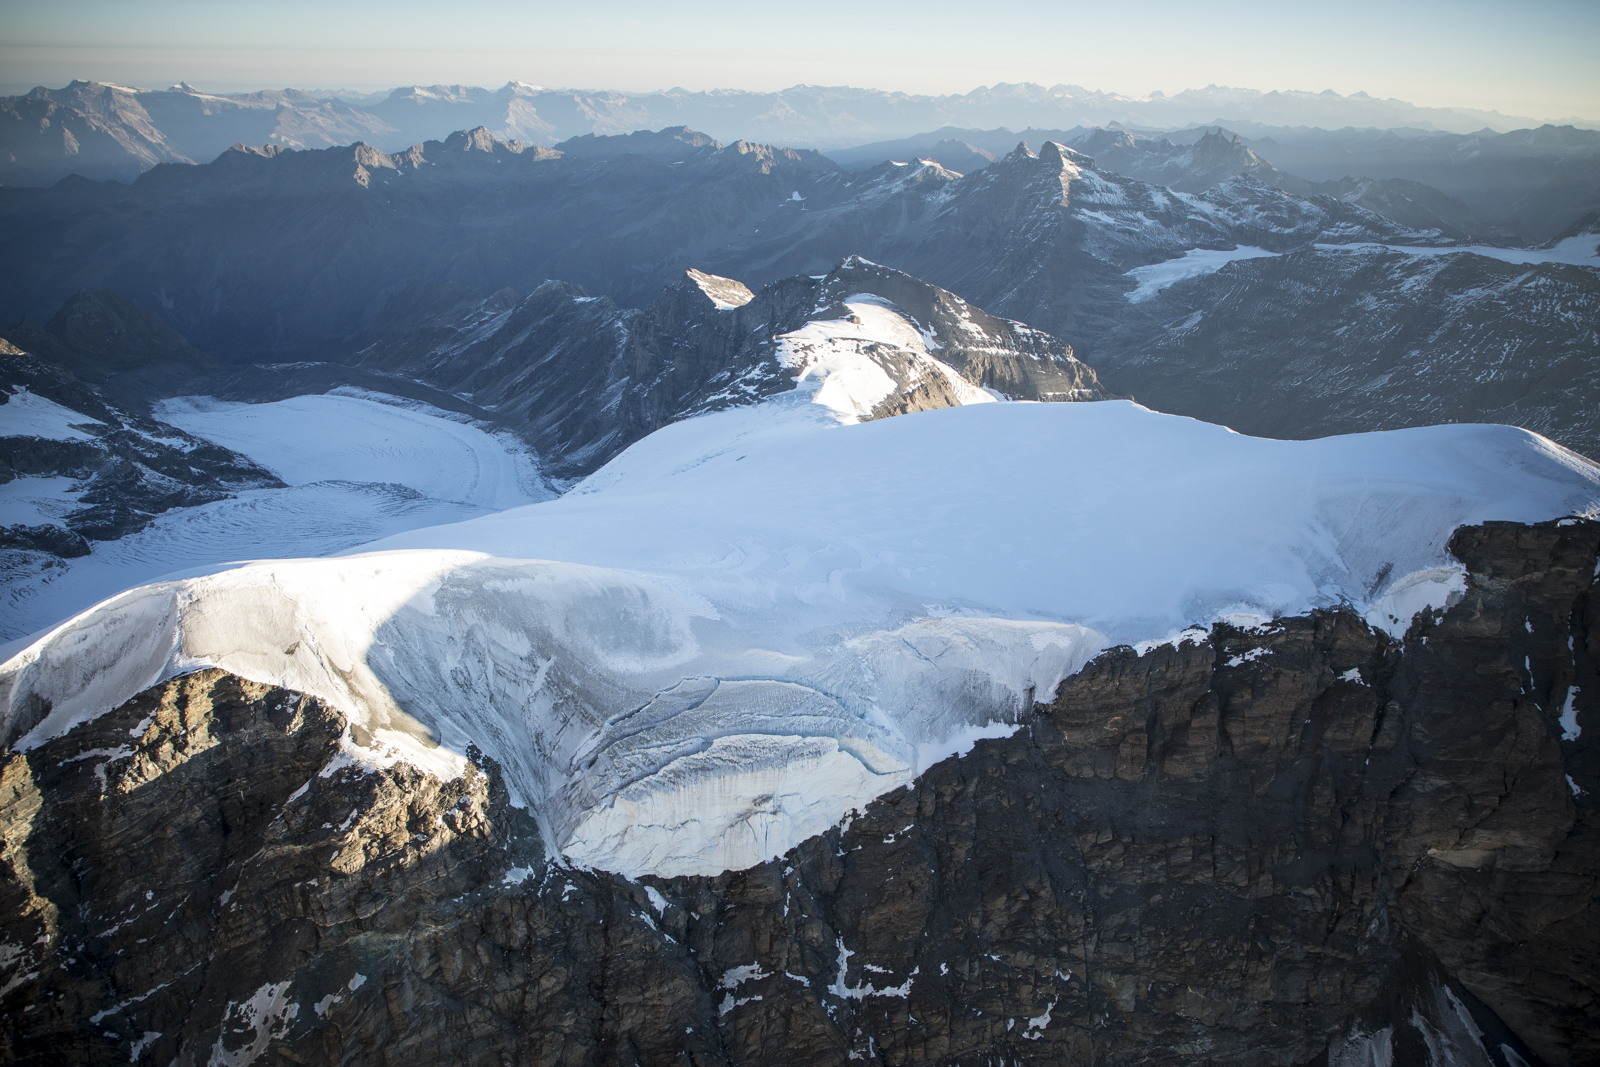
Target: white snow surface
(26, 414)
(34, 500)
(753, 622)
(351, 436)
(1193, 263)
(1578, 251)
(846, 361)
(358, 469)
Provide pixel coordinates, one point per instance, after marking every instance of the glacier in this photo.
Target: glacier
(754, 621)
(357, 465)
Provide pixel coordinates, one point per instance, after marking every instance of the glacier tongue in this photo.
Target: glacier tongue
(752, 622)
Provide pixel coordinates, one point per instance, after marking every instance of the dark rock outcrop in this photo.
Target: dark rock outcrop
(1300, 843)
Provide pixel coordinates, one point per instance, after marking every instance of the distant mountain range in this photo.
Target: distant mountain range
(482, 601)
(102, 130)
(1525, 186)
(408, 265)
(266, 249)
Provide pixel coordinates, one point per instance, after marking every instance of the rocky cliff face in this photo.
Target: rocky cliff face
(1304, 842)
(1187, 168)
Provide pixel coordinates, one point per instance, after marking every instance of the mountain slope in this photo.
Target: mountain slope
(1526, 185)
(582, 379)
(1133, 811)
(779, 601)
(731, 668)
(1523, 187)
(1267, 346)
(264, 248)
(77, 459)
(304, 253)
(1046, 238)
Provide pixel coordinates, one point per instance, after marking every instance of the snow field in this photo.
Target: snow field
(1155, 277)
(340, 437)
(358, 468)
(1578, 251)
(25, 414)
(752, 622)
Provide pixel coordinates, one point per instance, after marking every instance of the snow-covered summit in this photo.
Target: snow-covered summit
(755, 620)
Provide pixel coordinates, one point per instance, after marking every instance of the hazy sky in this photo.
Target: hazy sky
(1536, 58)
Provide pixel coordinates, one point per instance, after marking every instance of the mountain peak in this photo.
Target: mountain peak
(477, 139)
(725, 293)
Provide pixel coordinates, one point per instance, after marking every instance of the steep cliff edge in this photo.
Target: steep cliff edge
(1301, 843)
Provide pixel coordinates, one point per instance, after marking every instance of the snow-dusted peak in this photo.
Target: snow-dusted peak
(725, 293)
(869, 359)
(995, 354)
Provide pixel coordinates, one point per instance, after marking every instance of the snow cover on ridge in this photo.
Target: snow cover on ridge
(754, 621)
(852, 359)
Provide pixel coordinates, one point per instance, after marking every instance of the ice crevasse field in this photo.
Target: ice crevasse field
(754, 621)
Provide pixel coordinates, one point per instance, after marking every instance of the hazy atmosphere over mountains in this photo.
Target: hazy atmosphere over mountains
(847, 568)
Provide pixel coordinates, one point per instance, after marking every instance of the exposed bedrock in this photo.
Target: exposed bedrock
(1302, 843)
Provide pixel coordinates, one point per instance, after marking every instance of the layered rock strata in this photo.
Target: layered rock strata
(1302, 842)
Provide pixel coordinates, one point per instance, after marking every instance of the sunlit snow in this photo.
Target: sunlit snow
(849, 359)
(359, 438)
(754, 621)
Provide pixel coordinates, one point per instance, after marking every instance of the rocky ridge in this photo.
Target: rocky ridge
(704, 344)
(102, 130)
(1522, 187)
(1187, 168)
(1298, 842)
(1193, 167)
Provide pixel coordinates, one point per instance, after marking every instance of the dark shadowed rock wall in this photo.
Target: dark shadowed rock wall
(1306, 843)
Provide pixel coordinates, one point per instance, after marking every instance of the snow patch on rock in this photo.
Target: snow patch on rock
(1155, 277)
(26, 414)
